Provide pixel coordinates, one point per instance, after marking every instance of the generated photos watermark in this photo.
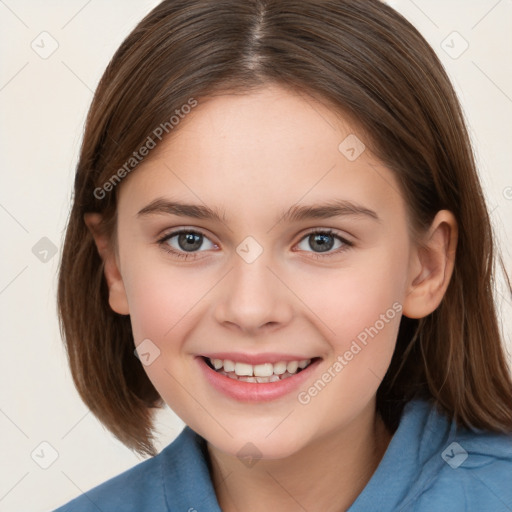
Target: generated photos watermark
(357, 345)
(454, 455)
(150, 143)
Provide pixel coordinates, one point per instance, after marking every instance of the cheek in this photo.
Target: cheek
(349, 299)
(366, 336)
(363, 323)
(373, 319)
(160, 298)
(360, 308)
(163, 303)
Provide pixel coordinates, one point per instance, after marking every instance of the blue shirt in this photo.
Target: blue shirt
(430, 465)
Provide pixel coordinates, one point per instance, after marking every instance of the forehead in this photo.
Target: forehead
(284, 122)
(266, 149)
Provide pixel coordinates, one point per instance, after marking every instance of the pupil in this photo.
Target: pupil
(324, 242)
(189, 241)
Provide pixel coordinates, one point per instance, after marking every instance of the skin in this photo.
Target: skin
(253, 156)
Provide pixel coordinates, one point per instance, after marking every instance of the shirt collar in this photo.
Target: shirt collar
(422, 432)
(185, 475)
(417, 444)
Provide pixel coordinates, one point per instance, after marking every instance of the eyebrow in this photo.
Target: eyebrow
(327, 210)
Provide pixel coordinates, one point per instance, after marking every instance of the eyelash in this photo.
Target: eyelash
(162, 242)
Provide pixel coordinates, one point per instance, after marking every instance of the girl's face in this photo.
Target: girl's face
(259, 284)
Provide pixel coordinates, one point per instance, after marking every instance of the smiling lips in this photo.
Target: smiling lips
(259, 373)
(256, 378)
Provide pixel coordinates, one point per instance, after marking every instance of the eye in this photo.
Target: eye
(186, 243)
(322, 241)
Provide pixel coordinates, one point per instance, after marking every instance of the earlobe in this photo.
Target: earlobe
(117, 294)
(431, 267)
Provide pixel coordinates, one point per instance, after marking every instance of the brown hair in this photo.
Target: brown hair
(366, 60)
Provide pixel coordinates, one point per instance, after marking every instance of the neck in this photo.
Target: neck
(326, 475)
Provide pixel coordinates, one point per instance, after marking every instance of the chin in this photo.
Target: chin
(250, 443)
(259, 449)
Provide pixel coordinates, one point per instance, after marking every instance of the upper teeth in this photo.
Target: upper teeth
(259, 370)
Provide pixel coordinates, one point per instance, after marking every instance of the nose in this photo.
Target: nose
(254, 297)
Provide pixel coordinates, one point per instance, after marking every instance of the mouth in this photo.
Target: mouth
(263, 373)
(272, 377)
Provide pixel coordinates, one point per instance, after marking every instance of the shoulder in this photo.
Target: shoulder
(131, 490)
(476, 470)
(468, 470)
(431, 463)
(140, 487)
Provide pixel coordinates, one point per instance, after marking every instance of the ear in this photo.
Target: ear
(117, 294)
(431, 266)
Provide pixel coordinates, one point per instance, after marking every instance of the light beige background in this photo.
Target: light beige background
(43, 103)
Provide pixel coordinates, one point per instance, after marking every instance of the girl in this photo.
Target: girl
(279, 231)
